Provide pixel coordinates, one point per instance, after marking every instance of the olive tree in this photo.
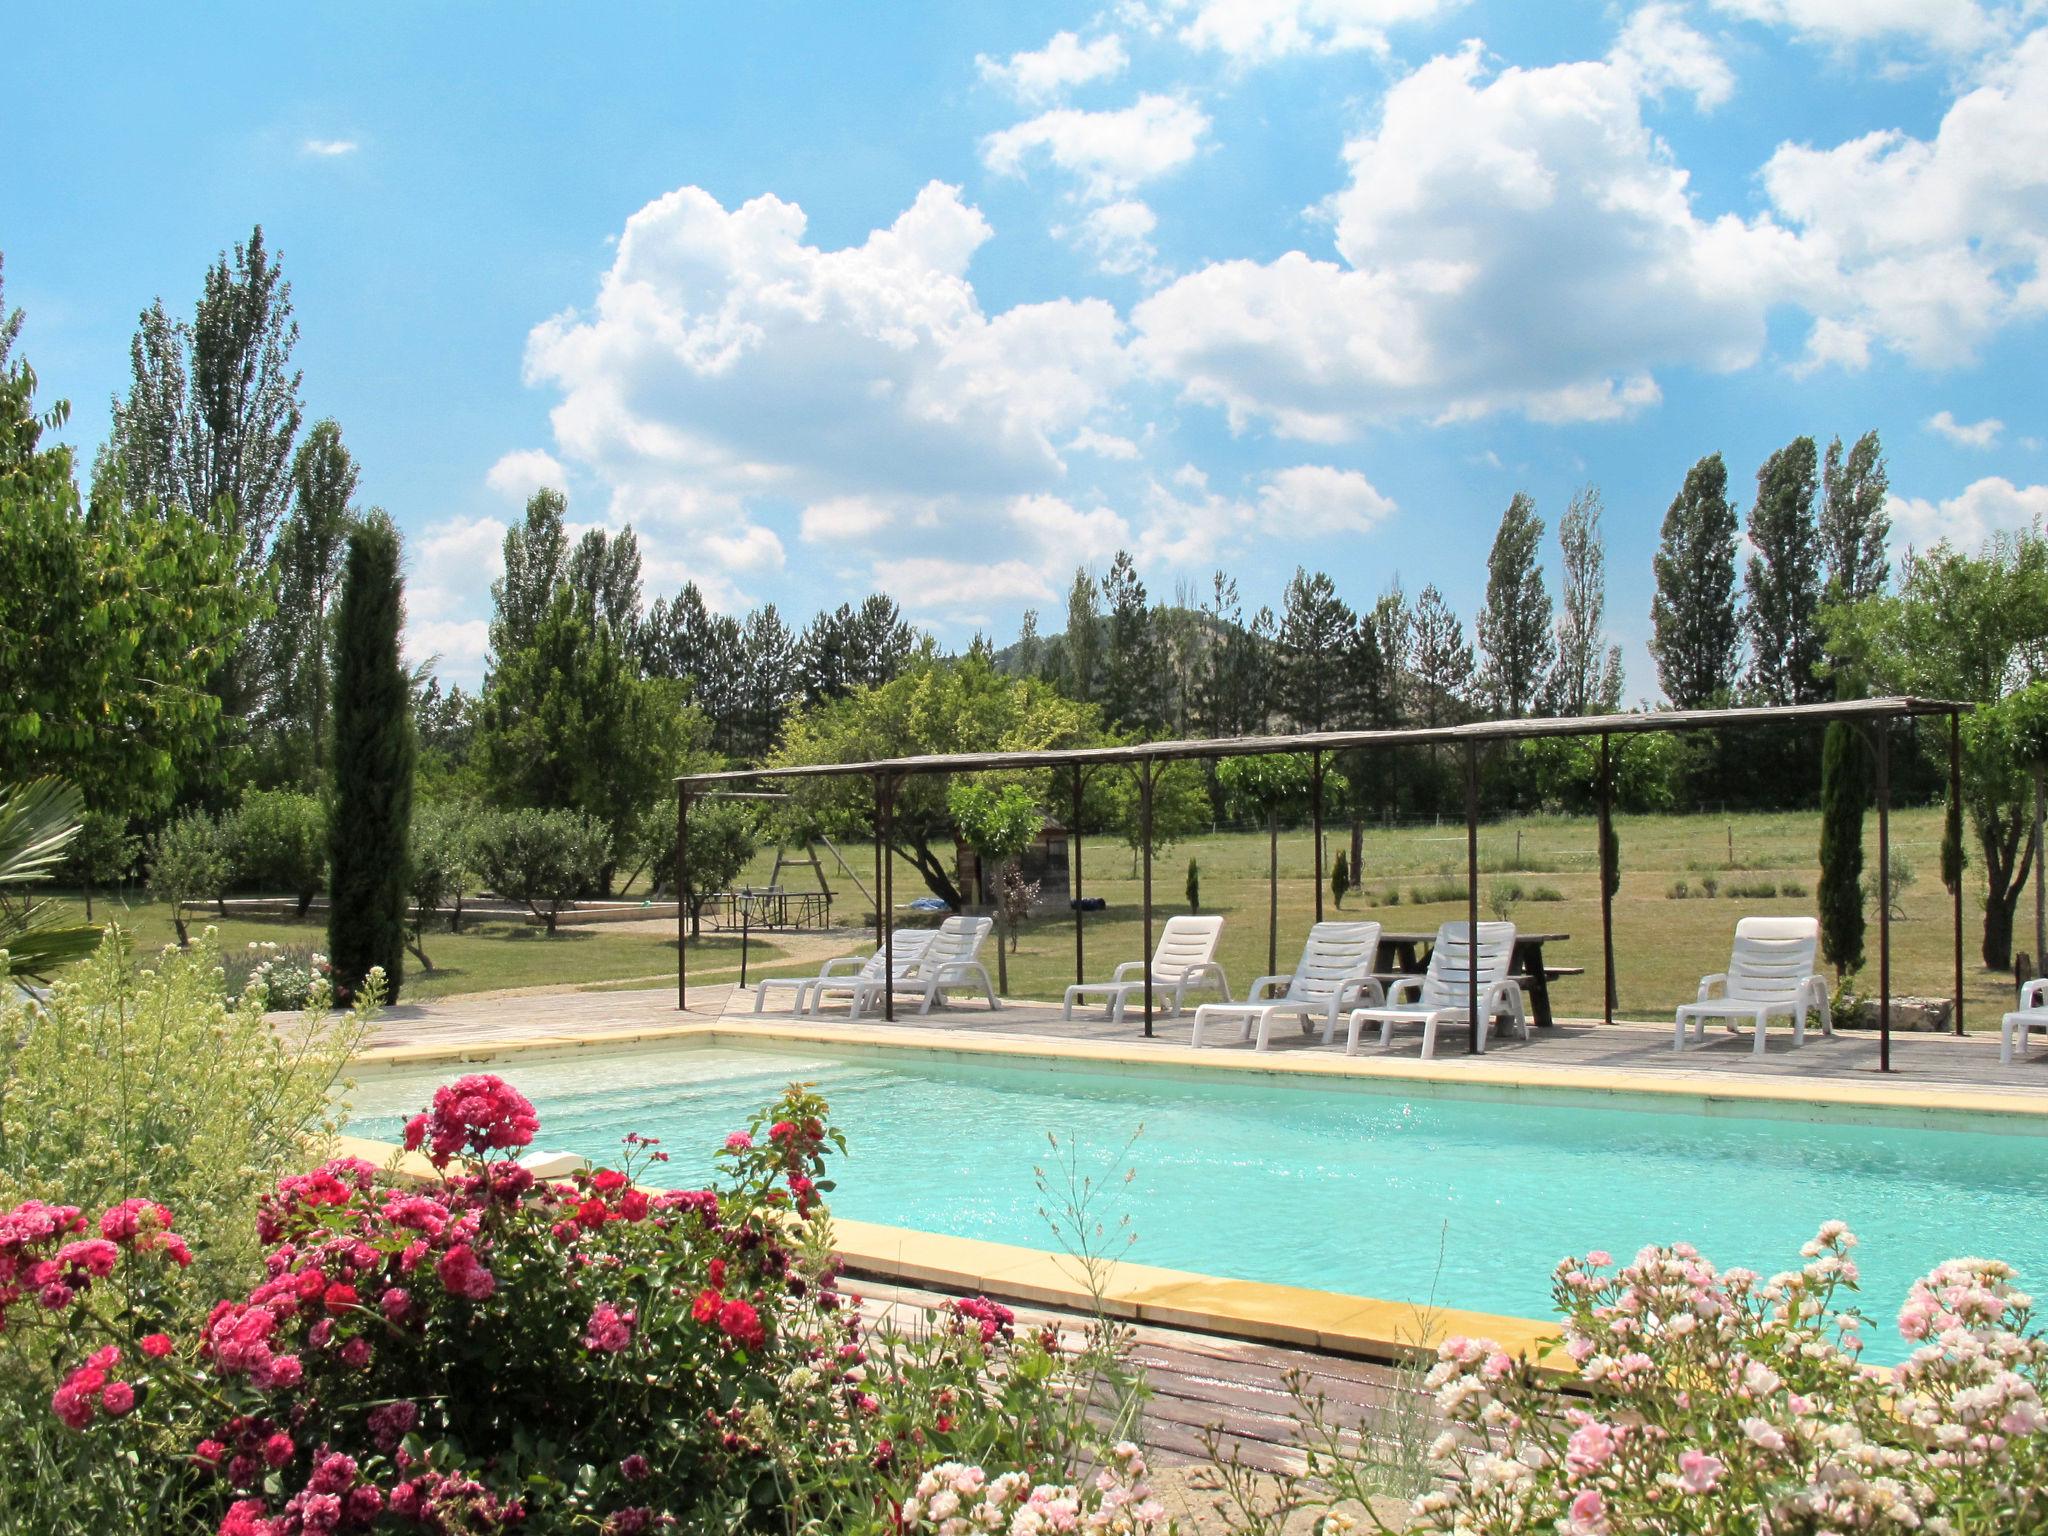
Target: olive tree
(189, 860)
(998, 823)
(542, 859)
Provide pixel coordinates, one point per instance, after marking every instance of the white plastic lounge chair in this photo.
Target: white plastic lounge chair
(1334, 974)
(2031, 1014)
(1439, 997)
(951, 959)
(1184, 959)
(1770, 971)
(840, 971)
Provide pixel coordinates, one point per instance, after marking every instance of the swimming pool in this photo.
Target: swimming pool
(1367, 1186)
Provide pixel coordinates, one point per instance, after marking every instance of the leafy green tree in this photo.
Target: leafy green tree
(112, 623)
(1514, 626)
(1271, 785)
(999, 822)
(1782, 581)
(724, 837)
(213, 407)
(934, 705)
(1695, 629)
(305, 574)
(1083, 640)
(443, 846)
(280, 844)
(1853, 522)
(1974, 628)
(1129, 665)
(190, 860)
(103, 854)
(1844, 791)
(39, 823)
(1587, 677)
(1318, 653)
(604, 572)
(536, 558)
(374, 749)
(544, 859)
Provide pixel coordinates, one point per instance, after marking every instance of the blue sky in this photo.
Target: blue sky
(946, 300)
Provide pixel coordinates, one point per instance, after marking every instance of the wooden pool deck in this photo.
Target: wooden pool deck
(1968, 1063)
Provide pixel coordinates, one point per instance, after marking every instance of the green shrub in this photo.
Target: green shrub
(1680, 891)
(1543, 893)
(279, 843)
(1436, 891)
(1751, 890)
(443, 861)
(1391, 896)
(1793, 888)
(1710, 886)
(545, 859)
(190, 860)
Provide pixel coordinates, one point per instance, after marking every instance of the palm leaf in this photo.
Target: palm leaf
(38, 821)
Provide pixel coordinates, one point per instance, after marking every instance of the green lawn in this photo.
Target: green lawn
(484, 957)
(1662, 945)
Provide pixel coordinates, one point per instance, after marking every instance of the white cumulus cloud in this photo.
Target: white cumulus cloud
(1665, 52)
(727, 361)
(1119, 236)
(1973, 434)
(1258, 31)
(843, 517)
(450, 566)
(1510, 240)
(520, 473)
(329, 149)
(1065, 61)
(1317, 501)
(1945, 24)
(1966, 520)
(1110, 152)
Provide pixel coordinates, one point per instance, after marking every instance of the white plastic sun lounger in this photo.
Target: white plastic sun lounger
(1769, 972)
(1184, 959)
(1440, 996)
(952, 959)
(1334, 974)
(2032, 1013)
(840, 972)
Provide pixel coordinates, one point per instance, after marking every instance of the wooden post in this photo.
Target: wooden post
(1145, 834)
(2040, 869)
(1884, 895)
(1272, 889)
(1606, 895)
(1080, 960)
(881, 912)
(682, 903)
(1472, 898)
(1955, 791)
(1315, 820)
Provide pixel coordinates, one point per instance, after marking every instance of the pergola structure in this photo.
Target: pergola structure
(1147, 760)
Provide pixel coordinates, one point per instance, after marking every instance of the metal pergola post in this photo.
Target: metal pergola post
(682, 897)
(1080, 956)
(1315, 822)
(1472, 898)
(1145, 835)
(1884, 895)
(1606, 893)
(1955, 793)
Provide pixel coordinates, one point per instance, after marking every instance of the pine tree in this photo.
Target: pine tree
(1844, 790)
(1695, 629)
(1318, 634)
(1514, 626)
(1587, 677)
(772, 681)
(1783, 579)
(1130, 654)
(1030, 649)
(1393, 632)
(1443, 660)
(1853, 521)
(370, 821)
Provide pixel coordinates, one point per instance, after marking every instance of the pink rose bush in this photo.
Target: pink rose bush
(487, 1352)
(1708, 1400)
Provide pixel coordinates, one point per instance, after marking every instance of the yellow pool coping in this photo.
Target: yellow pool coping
(2027, 1111)
(1281, 1314)
(1140, 1293)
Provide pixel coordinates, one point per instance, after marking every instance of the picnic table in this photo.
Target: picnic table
(1407, 954)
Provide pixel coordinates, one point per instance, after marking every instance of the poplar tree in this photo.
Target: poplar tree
(298, 636)
(1514, 626)
(1587, 678)
(1083, 638)
(369, 826)
(1782, 582)
(1695, 631)
(536, 563)
(1853, 522)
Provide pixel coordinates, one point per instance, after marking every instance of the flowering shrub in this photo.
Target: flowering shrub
(487, 1352)
(289, 977)
(1720, 1401)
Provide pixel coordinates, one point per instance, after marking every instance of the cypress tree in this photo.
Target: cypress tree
(1844, 789)
(370, 821)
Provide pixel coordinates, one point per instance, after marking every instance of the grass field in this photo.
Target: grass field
(1414, 880)
(1663, 944)
(484, 957)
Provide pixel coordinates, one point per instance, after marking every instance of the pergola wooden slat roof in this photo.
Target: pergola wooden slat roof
(1482, 732)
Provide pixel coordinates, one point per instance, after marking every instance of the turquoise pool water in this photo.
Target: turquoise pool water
(1363, 1188)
